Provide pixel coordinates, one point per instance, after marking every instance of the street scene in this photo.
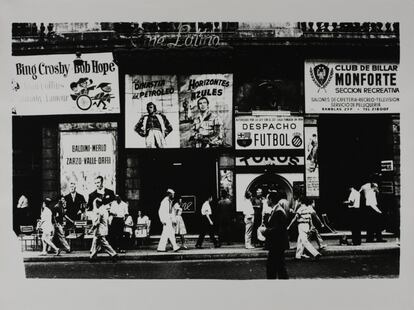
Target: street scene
(207, 150)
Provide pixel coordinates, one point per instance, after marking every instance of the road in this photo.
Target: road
(362, 266)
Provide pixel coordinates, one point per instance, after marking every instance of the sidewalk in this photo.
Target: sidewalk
(234, 251)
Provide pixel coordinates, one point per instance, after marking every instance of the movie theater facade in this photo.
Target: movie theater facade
(303, 108)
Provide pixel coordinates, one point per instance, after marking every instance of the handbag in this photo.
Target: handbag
(260, 236)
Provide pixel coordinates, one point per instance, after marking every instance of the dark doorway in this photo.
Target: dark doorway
(187, 172)
(351, 149)
(27, 151)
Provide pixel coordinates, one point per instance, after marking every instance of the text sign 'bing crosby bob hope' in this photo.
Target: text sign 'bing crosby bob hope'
(269, 132)
(344, 87)
(56, 85)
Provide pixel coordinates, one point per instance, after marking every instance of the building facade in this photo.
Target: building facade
(303, 108)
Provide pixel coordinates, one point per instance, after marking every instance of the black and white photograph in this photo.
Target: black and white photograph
(207, 149)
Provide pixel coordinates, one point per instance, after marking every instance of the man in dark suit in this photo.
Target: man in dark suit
(75, 203)
(277, 240)
(101, 192)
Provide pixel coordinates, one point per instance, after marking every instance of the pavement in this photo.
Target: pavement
(233, 251)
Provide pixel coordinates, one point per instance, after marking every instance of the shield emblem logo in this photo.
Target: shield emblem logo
(244, 139)
(321, 74)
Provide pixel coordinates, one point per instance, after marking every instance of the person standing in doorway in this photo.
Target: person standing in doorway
(248, 212)
(353, 214)
(165, 213)
(277, 240)
(225, 217)
(207, 224)
(258, 209)
(374, 215)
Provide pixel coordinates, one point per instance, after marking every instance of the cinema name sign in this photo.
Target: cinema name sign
(184, 37)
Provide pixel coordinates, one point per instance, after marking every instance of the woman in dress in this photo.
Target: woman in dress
(46, 225)
(180, 228)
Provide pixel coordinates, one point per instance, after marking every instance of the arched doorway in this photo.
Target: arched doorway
(271, 182)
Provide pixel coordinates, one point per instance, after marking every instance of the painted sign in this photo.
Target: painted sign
(206, 105)
(151, 111)
(344, 87)
(188, 204)
(312, 161)
(168, 111)
(59, 84)
(387, 165)
(84, 155)
(248, 161)
(269, 132)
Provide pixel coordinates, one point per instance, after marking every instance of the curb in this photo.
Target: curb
(337, 251)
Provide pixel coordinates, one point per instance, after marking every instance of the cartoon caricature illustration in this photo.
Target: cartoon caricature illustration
(84, 100)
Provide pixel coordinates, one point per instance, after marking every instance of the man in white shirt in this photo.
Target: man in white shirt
(207, 224)
(119, 212)
(354, 215)
(168, 233)
(374, 214)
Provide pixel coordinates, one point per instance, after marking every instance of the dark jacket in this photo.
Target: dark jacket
(276, 233)
(107, 197)
(73, 206)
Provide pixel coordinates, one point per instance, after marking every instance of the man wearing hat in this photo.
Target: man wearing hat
(165, 214)
(154, 127)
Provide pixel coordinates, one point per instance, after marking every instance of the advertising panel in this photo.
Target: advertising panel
(261, 161)
(151, 111)
(206, 105)
(64, 84)
(86, 155)
(344, 87)
(269, 132)
(168, 111)
(312, 161)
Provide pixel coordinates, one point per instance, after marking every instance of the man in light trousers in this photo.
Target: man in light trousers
(248, 212)
(165, 214)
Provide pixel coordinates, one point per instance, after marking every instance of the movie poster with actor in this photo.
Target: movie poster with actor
(206, 110)
(151, 111)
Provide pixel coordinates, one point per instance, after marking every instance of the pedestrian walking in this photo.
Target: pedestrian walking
(46, 226)
(100, 230)
(165, 214)
(58, 219)
(277, 240)
(207, 224)
(248, 212)
(313, 233)
(303, 217)
(258, 219)
(180, 228)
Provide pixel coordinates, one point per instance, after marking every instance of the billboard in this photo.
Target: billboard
(345, 87)
(64, 84)
(151, 111)
(269, 132)
(84, 155)
(169, 111)
(312, 161)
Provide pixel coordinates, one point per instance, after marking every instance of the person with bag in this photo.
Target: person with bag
(277, 240)
(303, 217)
